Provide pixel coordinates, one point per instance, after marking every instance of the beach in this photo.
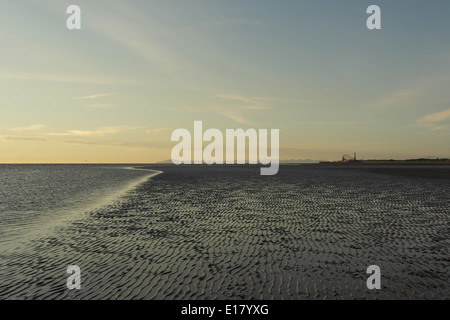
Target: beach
(225, 232)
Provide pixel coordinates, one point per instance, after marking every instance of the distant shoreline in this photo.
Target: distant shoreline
(439, 162)
(420, 168)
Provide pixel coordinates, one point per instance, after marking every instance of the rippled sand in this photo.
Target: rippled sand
(309, 232)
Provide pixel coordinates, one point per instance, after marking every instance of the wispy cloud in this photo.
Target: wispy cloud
(96, 96)
(326, 123)
(80, 141)
(34, 127)
(103, 136)
(252, 100)
(436, 122)
(238, 98)
(434, 118)
(340, 145)
(396, 99)
(232, 113)
(101, 132)
(158, 130)
(100, 105)
(222, 21)
(255, 107)
(67, 79)
(139, 35)
(127, 144)
(9, 138)
(245, 103)
(438, 128)
(238, 118)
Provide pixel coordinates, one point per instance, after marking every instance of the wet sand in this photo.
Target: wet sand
(435, 172)
(425, 169)
(309, 232)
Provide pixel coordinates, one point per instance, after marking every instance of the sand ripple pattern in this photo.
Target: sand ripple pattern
(309, 232)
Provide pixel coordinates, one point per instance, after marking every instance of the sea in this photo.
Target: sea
(36, 197)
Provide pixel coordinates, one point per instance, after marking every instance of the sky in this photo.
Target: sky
(114, 91)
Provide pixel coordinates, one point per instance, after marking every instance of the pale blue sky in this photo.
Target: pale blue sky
(114, 91)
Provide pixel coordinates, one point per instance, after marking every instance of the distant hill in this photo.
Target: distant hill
(300, 161)
(164, 162)
(429, 158)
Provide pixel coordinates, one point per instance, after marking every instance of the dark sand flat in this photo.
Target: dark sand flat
(309, 232)
(434, 172)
